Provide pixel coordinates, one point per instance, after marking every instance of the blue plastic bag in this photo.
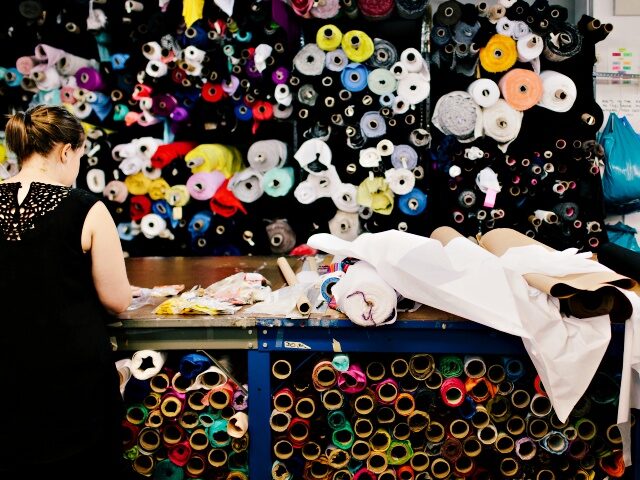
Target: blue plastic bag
(623, 235)
(621, 178)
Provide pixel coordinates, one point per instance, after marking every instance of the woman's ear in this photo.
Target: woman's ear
(64, 152)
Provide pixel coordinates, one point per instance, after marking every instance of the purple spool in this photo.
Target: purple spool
(163, 105)
(179, 114)
(280, 75)
(252, 71)
(230, 86)
(89, 78)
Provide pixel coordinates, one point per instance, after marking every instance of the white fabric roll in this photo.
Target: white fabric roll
(305, 193)
(414, 88)
(345, 225)
(529, 47)
(205, 379)
(131, 165)
(520, 29)
(344, 197)
(139, 357)
(283, 95)
(412, 60)
(152, 225)
(238, 425)
(246, 185)
(401, 180)
(369, 157)
(122, 151)
(152, 51)
(156, 68)
(558, 91)
(506, 27)
(365, 297)
(456, 113)
(194, 54)
(312, 150)
(310, 60)
(264, 155)
(484, 91)
(124, 372)
(150, 172)
(502, 123)
(96, 180)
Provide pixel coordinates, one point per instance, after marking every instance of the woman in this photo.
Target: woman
(62, 276)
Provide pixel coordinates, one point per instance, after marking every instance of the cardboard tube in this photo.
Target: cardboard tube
(405, 404)
(198, 439)
(302, 304)
(515, 425)
(217, 457)
(481, 417)
(399, 367)
(159, 382)
(279, 421)
(380, 440)
(496, 373)
(363, 428)
(283, 449)
(172, 434)
(281, 369)
(509, 467)
(459, 428)
(171, 406)
(385, 415)
(144, 464)
(504, 443)
(388, 474)
(421, 366)
(435, 432)
(195, 466)
(149, 439)
(194, 401)
(419, 462)
(434, 381)
(418, 420)
(471, 446)
(332, 399)
(377, 462)
(283, 400)
(338, 458)
(360, 450)
(310, 451)
(375, 371)
(305, 407)
(537, 428)
(520, 399)
(440, 468)
(401, 431)
(365, 403)
(188, 420)
(540, 405)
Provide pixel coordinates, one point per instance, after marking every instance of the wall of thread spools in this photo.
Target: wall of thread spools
(186, 415)
(209, 122)
(423, 416)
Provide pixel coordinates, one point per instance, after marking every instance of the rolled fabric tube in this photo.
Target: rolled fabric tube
(220, 396)
(89, 78)
(529, 47)
(198, 439)
(452, 392)
(373, 125)
(520, 399)
(343, 437)
(324, 376)
(509, 467)
(522, 89)
(384, 54)
(499, 408)
(298, 431)
(283, 400)
(357, 45)
(479, 389)
(69, 64)
(501, 122)
(496, 373)
(554, 442)
(210, 378)
(380, 440)
(525, 448)
(365, 403)
(448, 13)
(332, 399)
(217, 433)
(537, 427)
(265, 155)
(305, 407)
(279, 421)
(540, 406)
(471, 446)
(399, 452)
(155, 358)
(474, 366)
(381, 81)
(484, 91)
(450, 366)
(240, 400)
(354, 77)
(246, 185)
(559, 92)
(562, 43)
(283, 449)
(336, 60)
(413, 203)
(440, 468)
(217, 457)
(586, 429)
(353, 380)
(413, 88)
(504, 443)
(179, 383)
(375, 371)
(364, 296)
(281, 369)
(172, 405)
(309, 60)
(456, 113)
(404, 404)
(488, 434)
(277, 182)
(499, 55)
(421, 366)
(144, 464)
(238, 425)
(328, 37)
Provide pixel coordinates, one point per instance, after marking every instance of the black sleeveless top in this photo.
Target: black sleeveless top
(60, 385)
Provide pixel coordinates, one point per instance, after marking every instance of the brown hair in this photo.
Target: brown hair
(40, 129)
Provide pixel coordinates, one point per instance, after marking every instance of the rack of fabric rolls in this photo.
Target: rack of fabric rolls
(515, 120)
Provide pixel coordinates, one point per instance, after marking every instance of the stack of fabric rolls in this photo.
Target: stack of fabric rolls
(184, 417)
(425, 416)
(515, 121)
